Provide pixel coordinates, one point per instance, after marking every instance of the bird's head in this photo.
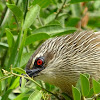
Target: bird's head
(51, 62)
(43, 62)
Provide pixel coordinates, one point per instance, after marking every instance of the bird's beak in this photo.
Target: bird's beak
(33, 72)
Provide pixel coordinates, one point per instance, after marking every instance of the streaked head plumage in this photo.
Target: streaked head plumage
(66, 57)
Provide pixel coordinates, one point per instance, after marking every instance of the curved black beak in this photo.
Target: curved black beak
(32, 73)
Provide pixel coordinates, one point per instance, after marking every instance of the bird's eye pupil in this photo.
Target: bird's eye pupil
(39, 62)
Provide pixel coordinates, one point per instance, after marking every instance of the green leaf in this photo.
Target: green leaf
(20, 70)
(94, 22)
(2, 83)
(49, 29)
(91, 93)
(21, 48)
(54, 22)
(76, 10)
(76, 1)
(5, 77)
(22, 96)
(16, 11)
(96, 4)
(49, 87)
(76, 93)
(25, 58)
(4, 45)
(23, 82)
(87, 75)
(6, 19)
(42, 3)
(78, 84)
(49, 18)
(36, 95)
(67, 30)
(14, 52)
(36, 37)
(85, 86)
(15, 84)
(54, 30)
(96, 86)
(10, 38)
(31, 16)
(73, 21)
(98, 98)
(6, 94)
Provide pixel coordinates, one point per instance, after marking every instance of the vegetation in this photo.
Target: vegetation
(24, 25)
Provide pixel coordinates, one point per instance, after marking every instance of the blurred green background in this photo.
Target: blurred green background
(24, 25)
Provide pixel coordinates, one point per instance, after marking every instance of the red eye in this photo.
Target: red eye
(39, 62)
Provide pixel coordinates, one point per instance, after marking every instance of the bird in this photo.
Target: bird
(60, 60)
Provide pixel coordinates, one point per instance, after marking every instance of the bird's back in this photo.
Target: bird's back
(74, 54)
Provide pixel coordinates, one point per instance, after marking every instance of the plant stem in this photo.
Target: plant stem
(95, 96)
(26, 8)
(4, 58)
(29, 78)
(3, 14)
(59, 10)
(40, 21)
